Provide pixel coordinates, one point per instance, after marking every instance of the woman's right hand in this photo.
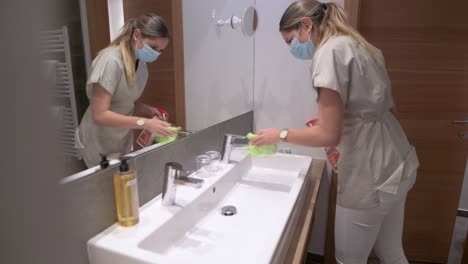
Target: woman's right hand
(160, 127)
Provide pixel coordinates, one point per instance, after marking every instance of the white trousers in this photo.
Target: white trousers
(357, 231)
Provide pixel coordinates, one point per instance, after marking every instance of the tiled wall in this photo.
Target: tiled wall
(92, 198)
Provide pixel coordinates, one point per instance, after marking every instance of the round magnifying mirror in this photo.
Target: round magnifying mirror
(249, 21)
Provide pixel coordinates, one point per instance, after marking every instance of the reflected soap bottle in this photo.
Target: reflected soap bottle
(126, 195)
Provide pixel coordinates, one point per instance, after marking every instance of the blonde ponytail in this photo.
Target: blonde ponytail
(330, 19)
(124, 41)
(335, 23)
(151, 26)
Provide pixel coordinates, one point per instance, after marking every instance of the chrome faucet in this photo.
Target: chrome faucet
(228, 145)
(174, 175)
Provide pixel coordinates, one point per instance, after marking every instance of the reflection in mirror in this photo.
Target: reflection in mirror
(249, 21)
(118, 77)
(115, 105)
(218, 63)
(62, 50)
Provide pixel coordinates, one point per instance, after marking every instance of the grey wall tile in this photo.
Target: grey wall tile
(92, 198)
(93, 207)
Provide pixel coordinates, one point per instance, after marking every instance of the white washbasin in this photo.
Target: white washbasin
(264, 191)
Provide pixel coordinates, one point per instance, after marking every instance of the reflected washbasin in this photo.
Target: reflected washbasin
(263, 190)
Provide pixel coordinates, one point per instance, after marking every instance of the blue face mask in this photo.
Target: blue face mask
(146, 54)
(303, 51)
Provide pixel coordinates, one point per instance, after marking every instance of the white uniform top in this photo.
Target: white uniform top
(374, 152)
(108, 70)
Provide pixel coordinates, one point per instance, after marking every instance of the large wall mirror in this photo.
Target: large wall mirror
(203, 77)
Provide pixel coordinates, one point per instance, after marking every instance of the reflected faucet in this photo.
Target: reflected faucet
(228, 145)
(174, 175)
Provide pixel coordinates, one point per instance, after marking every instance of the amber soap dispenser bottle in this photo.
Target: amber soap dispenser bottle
(126, 195)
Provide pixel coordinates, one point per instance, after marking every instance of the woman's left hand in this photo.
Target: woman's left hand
(266, 137)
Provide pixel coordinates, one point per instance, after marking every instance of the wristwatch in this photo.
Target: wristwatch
(140, 122)
(284, 134)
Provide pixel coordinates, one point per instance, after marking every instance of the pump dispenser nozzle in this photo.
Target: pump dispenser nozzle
(123, 164)
(104, 161)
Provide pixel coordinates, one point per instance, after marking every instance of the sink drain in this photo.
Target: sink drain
(229, 210)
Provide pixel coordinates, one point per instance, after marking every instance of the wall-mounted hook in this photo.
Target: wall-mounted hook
(248, 22)
(233, 21)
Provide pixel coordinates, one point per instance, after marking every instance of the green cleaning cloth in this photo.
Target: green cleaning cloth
(165, 139)
(260, 151)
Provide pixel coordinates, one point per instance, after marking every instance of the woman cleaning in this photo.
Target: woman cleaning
(376, 166)
(117, 80)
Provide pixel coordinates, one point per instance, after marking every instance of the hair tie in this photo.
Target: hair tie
(324, 6)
